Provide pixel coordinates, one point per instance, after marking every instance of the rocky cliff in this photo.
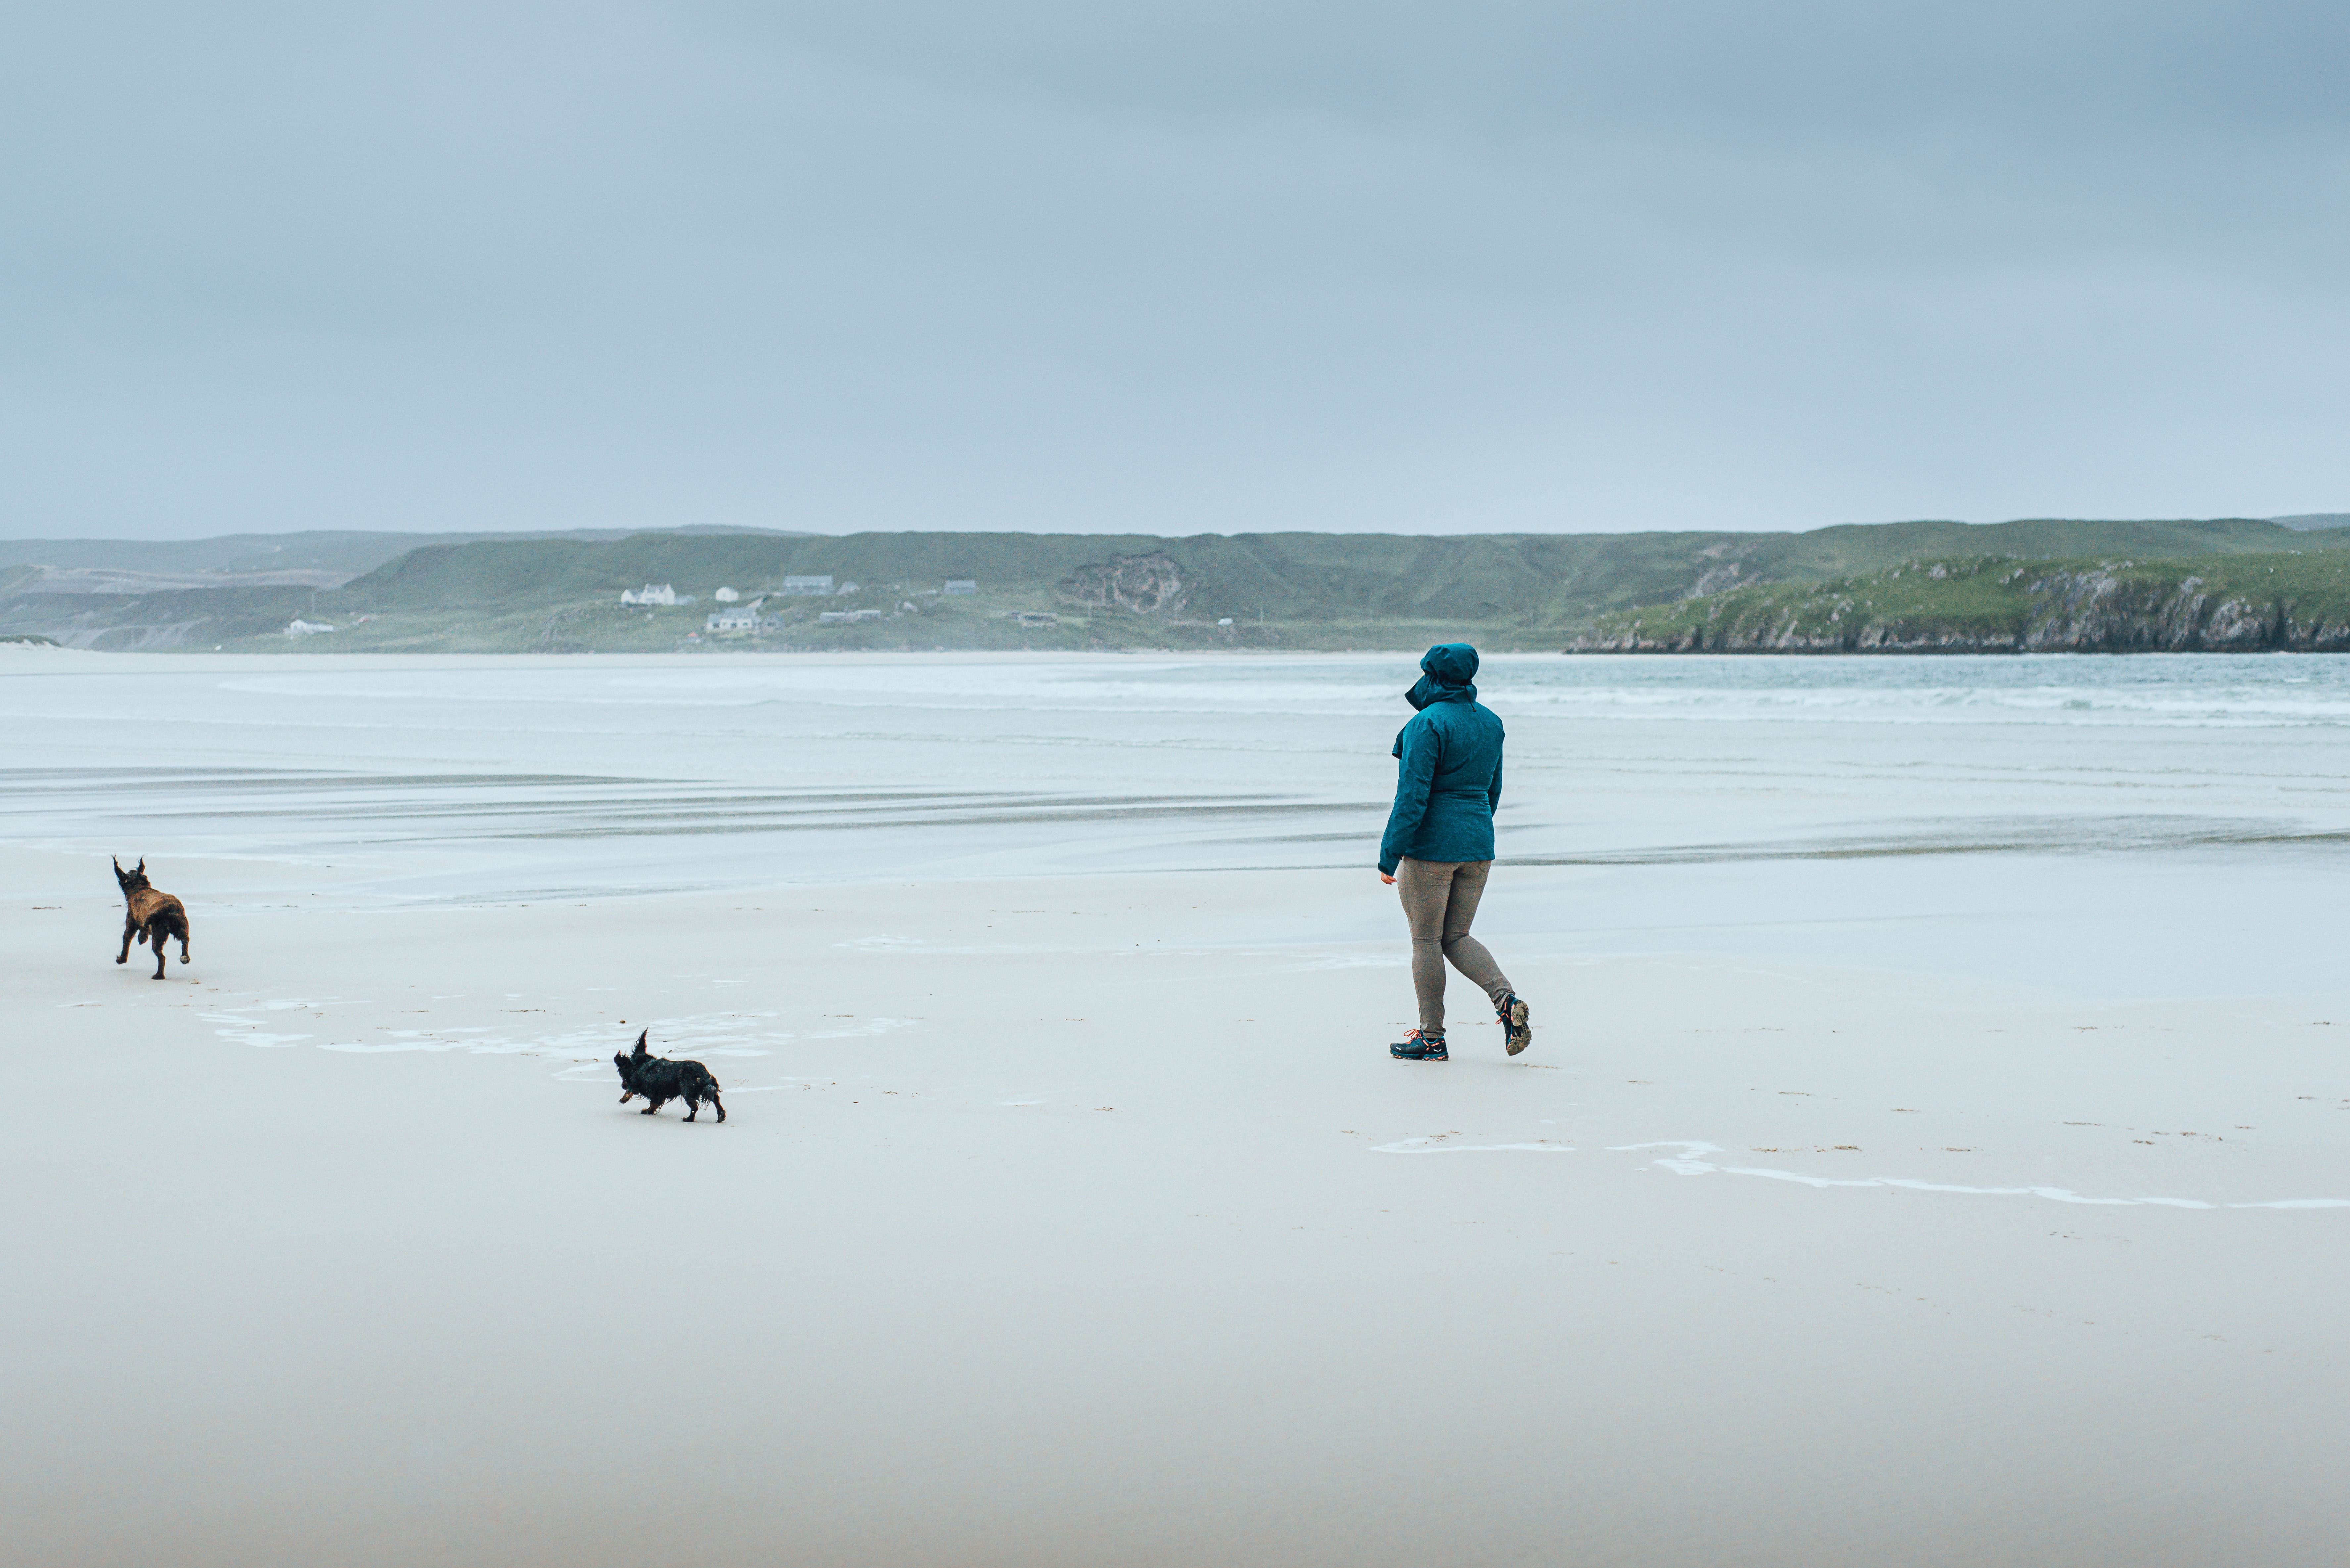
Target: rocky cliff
(1993, 605)
(1147, 585)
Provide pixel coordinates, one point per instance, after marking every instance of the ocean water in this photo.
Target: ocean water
(1643, 794)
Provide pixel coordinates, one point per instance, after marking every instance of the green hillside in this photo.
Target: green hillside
(1851, 547)
(1298, 590)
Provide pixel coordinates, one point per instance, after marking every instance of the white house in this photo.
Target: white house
(649, 595)
(822, 585)
(836, 618)
(739, 617)
(726, 596)
(962, 586)
(300, 628)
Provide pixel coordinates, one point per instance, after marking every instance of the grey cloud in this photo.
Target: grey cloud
(1169, 267)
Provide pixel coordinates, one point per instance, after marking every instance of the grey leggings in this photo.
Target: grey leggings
(1440, 899)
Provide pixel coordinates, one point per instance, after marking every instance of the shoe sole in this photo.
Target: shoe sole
(1520, 1033)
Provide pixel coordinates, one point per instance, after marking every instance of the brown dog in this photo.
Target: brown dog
(152, 916)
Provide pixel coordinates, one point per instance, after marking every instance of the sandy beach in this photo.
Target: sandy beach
(1963, 1199)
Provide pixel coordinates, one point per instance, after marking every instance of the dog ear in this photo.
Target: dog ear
(640, 1038)
(141, 867)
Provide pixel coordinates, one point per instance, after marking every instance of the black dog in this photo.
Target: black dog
(150, 916)
(661, 1080)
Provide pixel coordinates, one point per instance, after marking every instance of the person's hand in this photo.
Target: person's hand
(1388, 879)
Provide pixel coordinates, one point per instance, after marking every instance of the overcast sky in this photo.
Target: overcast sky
(1170, 268)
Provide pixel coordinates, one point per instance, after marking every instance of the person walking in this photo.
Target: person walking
(1438, 844)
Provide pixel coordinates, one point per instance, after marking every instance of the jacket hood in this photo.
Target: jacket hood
(1447, 671)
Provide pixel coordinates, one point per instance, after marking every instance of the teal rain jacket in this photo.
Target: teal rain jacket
(1448, 766)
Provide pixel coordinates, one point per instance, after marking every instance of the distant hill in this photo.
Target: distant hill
(561, 593)
(1283, 577)
(1536, 578)
(347, 553)
(2311, 520)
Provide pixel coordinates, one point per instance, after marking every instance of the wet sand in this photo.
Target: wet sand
(1083, 1219)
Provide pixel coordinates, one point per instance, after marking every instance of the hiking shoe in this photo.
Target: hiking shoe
(1419, 1046)
(1517, 1034)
